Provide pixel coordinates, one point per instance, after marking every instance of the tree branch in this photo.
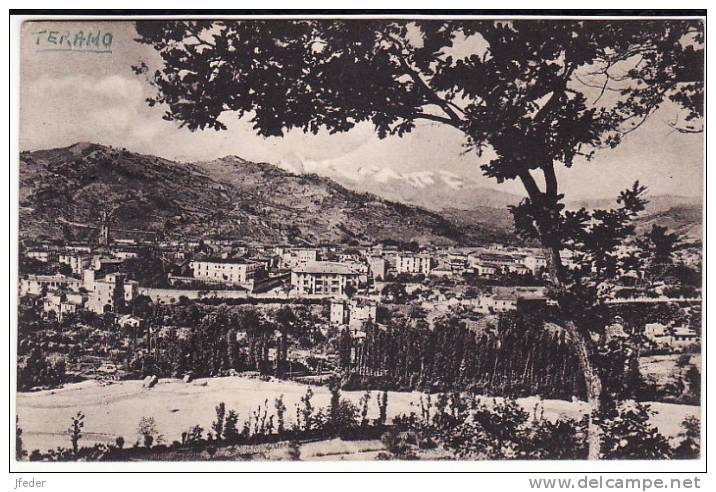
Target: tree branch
(194, 33)
(530, 185)
(439, 119)
(429, 92)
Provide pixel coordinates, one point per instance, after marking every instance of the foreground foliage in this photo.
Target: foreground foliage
(448, 426)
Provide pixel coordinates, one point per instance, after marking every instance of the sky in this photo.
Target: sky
(68, 97)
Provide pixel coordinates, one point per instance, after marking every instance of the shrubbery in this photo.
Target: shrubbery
(475, 429)
(37, 370)
(452, 424)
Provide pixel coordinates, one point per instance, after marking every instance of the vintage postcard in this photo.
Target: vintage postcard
(368, 237)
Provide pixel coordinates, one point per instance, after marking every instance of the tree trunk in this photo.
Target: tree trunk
(555, 268)
(584, 346)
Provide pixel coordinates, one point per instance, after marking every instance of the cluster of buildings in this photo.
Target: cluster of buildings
(88, 280)
(671, 336)
(352, 280)
(93, 278)
(64, 294)
(489, 262)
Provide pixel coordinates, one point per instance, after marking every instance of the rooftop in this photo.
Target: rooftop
(49, 278)
(325, 267)
(234, 261)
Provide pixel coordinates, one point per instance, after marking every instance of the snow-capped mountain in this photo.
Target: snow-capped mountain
(435, 190)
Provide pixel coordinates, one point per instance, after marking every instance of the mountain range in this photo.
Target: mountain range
(226, 197)
(464, 201)
(433, 190)
(260, 202)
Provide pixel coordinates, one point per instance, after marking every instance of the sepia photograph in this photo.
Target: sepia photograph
(379, 238)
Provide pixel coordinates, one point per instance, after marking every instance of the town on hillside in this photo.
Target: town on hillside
(110, 308)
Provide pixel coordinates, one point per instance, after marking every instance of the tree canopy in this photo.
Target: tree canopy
(534, 93)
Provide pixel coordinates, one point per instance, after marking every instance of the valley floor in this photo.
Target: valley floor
(115, 409)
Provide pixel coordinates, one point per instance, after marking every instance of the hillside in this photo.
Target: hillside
(656, 203)
(227, 197)
(256, 202)
(686, 220)
(680, 214)
(498, 219)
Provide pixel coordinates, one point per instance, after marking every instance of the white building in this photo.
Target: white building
(298, 257)
(340, 313)
(129, 321)
(444, 270)
(62, 305)
(676, 338)
(412, 263)
(502, 303)
(125, 255)
(34, 284)
(111, 293)
(535, 263)
(225, 271)
(353, 313)
(458, 262)
(656, 332)
(684, 336)
(104, 263)
(485, 269)
(324, 278)
(77, 262)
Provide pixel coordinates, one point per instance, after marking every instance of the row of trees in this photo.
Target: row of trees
(514, 355)
(222, 339)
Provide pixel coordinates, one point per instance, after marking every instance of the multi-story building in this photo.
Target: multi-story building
(325, 278)
(353, 313)
(674, 337)
(267, 261)
(62, 305)
(485, 269)
(35, 284)
(502, 303)
(503, 299)
(414, 263)
(77, 262)
(458, 262)
(306, 255)
(112, 293)
(340, 313)
(106, 264)
(228, 271)
(125, 254)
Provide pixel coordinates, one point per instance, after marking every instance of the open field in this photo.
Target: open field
(115, 409)
(663, 369)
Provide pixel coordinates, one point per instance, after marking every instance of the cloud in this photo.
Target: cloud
(79, 107)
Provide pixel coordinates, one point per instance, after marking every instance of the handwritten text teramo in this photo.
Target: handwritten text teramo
(84, 41)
